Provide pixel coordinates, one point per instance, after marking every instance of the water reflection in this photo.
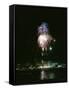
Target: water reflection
(49, 71)
(47, 75)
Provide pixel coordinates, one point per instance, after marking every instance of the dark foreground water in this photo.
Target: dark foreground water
(41, 76)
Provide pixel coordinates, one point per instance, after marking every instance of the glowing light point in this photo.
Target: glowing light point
(50, 48)
(54, 40)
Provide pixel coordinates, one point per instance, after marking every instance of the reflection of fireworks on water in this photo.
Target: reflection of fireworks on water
(43, 75)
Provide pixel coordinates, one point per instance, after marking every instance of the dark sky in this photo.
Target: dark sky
(27, 19)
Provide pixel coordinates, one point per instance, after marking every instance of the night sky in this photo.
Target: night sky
(27, 20)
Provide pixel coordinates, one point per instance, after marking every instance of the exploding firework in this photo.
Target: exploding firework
(44, 38)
